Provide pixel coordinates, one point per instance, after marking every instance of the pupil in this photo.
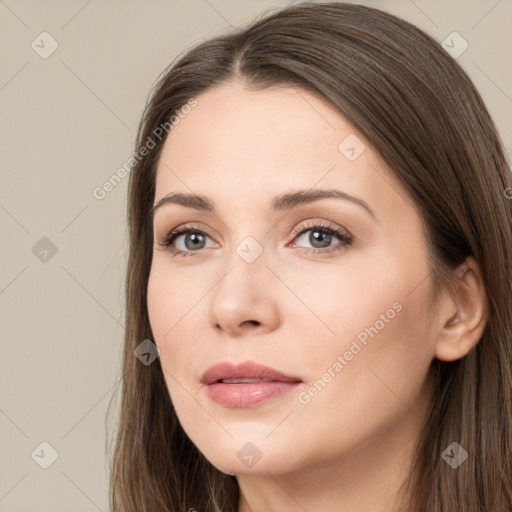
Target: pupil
(194, 237)
(319, 235)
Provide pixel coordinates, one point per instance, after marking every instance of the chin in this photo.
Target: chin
(248, 458)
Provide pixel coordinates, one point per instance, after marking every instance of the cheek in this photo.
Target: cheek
(374, 318)
(177, 309)
(159, 302)
(173, 297)
(163, 303)
(171, 313)
(372, 374)
(342, 302)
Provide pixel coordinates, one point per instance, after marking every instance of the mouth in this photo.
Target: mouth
(247, 384)
(242, 381)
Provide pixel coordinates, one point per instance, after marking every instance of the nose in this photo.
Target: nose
(244, 299)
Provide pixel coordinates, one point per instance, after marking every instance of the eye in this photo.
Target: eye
(194, 240)
(321, 236)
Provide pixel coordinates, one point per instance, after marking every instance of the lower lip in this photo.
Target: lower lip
(248, 394)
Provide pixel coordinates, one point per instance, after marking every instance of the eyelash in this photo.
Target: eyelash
(345, 239)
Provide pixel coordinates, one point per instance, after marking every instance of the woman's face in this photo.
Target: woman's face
(343, 316)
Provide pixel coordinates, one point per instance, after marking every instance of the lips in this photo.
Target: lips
(246, 370)
(247, 384)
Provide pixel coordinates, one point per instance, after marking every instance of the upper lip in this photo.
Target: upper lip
(244, 370)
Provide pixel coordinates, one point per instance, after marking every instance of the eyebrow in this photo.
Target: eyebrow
(281, 202)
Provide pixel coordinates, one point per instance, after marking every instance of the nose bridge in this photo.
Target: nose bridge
(241, 295)
(247, 247)
(245, 265)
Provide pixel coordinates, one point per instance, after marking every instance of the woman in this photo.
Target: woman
(320, 248)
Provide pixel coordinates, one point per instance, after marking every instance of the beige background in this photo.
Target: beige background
(67, 124)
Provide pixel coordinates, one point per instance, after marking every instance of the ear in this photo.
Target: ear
(463, 315)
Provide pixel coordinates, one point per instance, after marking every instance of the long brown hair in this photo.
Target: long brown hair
(419, 109)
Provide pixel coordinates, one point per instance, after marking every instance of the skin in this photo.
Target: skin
(349, 447)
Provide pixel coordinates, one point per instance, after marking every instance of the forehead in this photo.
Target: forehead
(243, 147)
(277, 125)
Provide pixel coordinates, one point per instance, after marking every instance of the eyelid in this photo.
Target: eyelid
(315, 223)
(189, 226)
(344, 236)
(312, 223)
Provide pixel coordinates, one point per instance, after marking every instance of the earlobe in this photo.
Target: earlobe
(465, 314)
